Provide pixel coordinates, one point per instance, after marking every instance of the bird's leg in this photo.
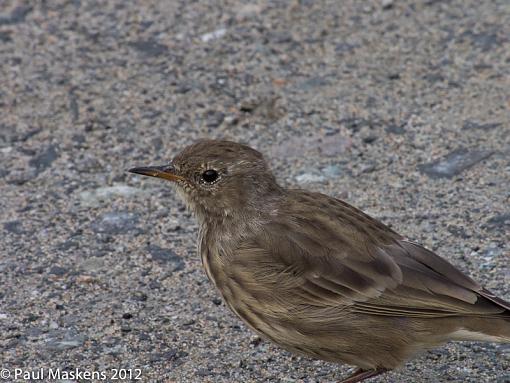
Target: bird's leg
(360, 375)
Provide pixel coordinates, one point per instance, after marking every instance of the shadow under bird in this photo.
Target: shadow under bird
(317, 276)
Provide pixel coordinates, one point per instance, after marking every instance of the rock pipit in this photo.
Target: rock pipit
(318, 276)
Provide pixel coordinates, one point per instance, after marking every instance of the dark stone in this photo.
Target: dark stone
(183, 88)
(314, 82)
(73, 105)
(31, 318)
(216, 301)
(15, 227)
(280, 37)
(485, 40)
(354, 123)
(17, 15)
(5, 36)
(116, 222)
(476, 125)
(454, 163)
(499, 221)
(169, 355)
(189, 322)
(369, 139)
(44, 160)
(162, 255)
(127, 316)
(139, 296)
(204, 372)
(503, 379)
(57, 270)
(29, 134)
(458, 231)
(214, 118)
(67, 245)
(149, 48)
(345, 47)
(157, 144)
(78, 138)
(434, 77)
(395, 128)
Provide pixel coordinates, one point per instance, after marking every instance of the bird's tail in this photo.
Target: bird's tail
(484, 330)
(495, 328)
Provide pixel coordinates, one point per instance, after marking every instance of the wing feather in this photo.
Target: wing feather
(324, 258)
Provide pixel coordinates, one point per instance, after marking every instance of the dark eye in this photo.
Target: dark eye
(210, 175)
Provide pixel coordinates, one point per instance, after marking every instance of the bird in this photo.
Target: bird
(318, 276)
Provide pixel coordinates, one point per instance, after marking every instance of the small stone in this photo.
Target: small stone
(248, 11)
(332, 171)
(334, 145)
(17, 15)
(314, 82)
(203, 372)
(139, 296)
(499, 221)
(482, 126)
(68, 341)
(116, 222)
(214, 118)
(206, 37)
(44, 160)
(216, 301)
(15, 227)
(387, 4)
(188, 322)
(20, 177)
(149, 48)
(454, 163)
(166, 356)
(166, 256)
(369, 138)
(94, 197)
(367, 168)
(86, 279)
(310, 178)
(395, 128)
(57, 270)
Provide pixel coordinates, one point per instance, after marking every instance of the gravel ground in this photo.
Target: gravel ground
(399, 107)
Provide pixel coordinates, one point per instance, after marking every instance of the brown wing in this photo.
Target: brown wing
(324, 253)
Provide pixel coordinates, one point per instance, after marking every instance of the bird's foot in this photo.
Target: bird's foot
(360, 375)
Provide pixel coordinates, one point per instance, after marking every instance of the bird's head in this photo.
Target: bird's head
(218, 178)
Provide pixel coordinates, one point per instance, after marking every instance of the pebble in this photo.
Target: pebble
(218, 33)
(69, 341)
(101, 194)
(454, 163)
(116, 222)
(166, 256)
(44, 159)
(310, 178)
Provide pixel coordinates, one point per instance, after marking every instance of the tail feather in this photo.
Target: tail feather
(493, 298)
(488, 329)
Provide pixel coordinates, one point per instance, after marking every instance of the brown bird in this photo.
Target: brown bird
(316, 275)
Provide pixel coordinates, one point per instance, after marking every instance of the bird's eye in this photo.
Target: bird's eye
(210, 175)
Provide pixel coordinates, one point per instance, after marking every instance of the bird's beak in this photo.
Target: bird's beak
(166, 172)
